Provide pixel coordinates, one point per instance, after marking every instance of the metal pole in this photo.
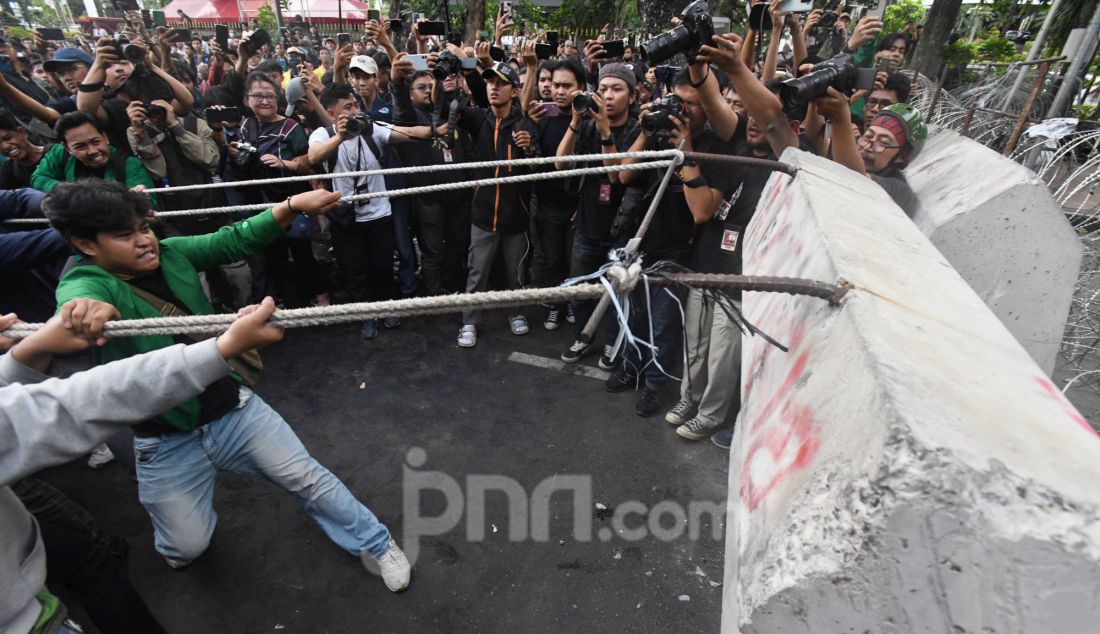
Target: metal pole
(279, 14)
(936, 95)
(1015, 138)
(1080, 64)
(632, 246)
(1036, 50)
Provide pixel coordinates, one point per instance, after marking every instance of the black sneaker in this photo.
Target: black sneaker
(575, 352)
(570, 313)
(648, 403)
(621, 381)
(553, 319)
(609, 359)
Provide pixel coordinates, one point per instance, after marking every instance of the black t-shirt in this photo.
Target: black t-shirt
(117, 122)
(14, 175)
(718, 247)
(672, 233)
(63, 106)
(553, 196)
(81, 171)
(600, 198)
(893, 181)
(221, 396)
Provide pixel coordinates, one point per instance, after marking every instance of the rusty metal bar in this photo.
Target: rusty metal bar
(1044, 66)
(936, 95)
(775, 166)
(831, 293)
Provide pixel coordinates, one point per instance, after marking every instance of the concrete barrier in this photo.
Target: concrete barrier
(999, 227)
(906, 466)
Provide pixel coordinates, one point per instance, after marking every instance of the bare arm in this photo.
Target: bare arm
(764, 107)
(845, 151)
(723, 120)
(25, 103)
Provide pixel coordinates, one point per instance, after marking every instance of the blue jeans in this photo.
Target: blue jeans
(176, 475)
(588, 256)
(664, 313)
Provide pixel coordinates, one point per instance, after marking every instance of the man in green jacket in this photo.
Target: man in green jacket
(85, 153)
(122, 272)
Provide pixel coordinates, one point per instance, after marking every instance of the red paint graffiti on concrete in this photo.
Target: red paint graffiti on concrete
(1053, 393)
(788, 445)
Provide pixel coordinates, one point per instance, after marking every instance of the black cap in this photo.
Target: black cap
(500, 70)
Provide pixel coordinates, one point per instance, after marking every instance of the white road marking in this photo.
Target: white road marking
(561, 366)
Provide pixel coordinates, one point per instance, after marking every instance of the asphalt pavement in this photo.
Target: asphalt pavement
(409, 418)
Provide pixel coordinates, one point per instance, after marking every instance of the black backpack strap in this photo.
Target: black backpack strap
(118, 165)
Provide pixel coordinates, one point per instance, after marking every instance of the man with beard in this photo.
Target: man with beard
(85, 153)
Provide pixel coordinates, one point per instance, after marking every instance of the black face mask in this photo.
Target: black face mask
(294, 60)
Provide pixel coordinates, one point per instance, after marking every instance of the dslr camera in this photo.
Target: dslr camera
(446, 65)
(125, 50)
(154, 111)
(584, 102)
(656, 122)
(359, 123)
(246, 154)
(840, 72)
(696, 29)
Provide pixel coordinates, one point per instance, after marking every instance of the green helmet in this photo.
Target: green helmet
(909, 118)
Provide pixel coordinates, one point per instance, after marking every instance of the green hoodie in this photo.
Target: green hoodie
(58, 166)
(180, 261)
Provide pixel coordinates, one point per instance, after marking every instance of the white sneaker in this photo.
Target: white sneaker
(518, 324)
(393, 566)
(467, 337)
(100, 456)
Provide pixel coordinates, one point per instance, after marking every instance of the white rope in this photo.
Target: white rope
(411, 191)
(343, 313)
(418, 169)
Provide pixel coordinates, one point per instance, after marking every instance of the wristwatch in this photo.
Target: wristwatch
(608, 141)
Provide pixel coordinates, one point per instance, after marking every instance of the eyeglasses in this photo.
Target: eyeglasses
(424, 87)
(262, 97)
(878, 103)
(874, 144)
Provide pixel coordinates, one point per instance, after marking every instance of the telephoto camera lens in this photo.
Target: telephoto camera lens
(695, 30)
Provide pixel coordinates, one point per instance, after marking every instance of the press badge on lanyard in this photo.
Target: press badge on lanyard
(605, 191)
(447, 156)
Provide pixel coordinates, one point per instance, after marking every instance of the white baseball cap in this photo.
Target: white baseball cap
(365, 63)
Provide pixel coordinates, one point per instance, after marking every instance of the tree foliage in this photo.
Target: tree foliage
(995, 49)
(901, 12)
(265, 17)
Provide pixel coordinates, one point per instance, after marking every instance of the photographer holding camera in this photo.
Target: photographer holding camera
(271, 146)
(363, 239)
(676, 120)
(603, 127)
(126, 68)
(553, 203)
(443, 218)
(177, 151)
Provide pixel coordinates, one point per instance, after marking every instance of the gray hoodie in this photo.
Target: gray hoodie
(47, 421)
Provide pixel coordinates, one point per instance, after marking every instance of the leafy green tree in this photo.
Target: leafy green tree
(995, 49)
(265, 17)
(902, 12)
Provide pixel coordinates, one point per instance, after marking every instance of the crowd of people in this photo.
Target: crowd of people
(86, 131)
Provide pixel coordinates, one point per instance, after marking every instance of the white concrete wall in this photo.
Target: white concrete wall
(906, 466)
(1000, 228)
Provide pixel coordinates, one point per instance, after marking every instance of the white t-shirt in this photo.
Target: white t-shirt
(354, 155)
